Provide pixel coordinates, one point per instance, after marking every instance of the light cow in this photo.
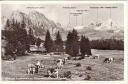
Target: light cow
(31, 69)
(60, 63)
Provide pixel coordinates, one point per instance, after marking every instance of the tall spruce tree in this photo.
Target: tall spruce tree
(88, 47)
(58, 43)
(69, 43)
(83, 46)
(22, 38)
(72, 44)
(75, 43)
(48, 42)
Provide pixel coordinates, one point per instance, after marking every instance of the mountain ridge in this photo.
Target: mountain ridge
(40, 24)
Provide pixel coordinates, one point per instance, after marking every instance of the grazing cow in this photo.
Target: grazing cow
(31, 69)
(65, 60)
(60, 63)
(108, 60)
(38, 64)
(56, 73)
(96, 56)
(53, 72)
(49, 73)
(111, 59)
(34, 68)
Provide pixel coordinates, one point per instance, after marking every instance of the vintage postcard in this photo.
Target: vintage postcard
(66, 41)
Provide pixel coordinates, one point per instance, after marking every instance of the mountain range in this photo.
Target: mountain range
(40, 24)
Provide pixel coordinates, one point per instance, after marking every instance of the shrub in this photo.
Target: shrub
(78, 64)
(88, 68)
(87, 77)
(80, 58)
(80, 75)
(67, 74)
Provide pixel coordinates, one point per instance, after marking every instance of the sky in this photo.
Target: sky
(60, 13)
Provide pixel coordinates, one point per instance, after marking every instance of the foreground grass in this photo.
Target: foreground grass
(16, 70)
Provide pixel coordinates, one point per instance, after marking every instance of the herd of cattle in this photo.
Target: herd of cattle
(34, 68)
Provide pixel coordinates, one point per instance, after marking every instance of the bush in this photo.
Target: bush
(80, 75)
(80, 58)
(69, 58)
(67, 74)
(78, 64)
(87, 77)
(88, 68)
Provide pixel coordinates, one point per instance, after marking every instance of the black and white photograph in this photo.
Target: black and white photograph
(62, 42)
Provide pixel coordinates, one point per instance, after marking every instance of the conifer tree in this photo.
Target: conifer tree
(82, 46)
(75, 44)
(88, 48)
(48, 42)
(85, 46)
(18, 34)
(69, 43)
(72, 44)
(58, 43)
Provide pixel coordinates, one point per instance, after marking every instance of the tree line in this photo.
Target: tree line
(107, 44)
(73, 46)
(19, 41)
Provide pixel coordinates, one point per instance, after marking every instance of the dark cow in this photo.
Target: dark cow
(108, 60)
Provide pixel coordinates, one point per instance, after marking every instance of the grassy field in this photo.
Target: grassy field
(16, 70)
